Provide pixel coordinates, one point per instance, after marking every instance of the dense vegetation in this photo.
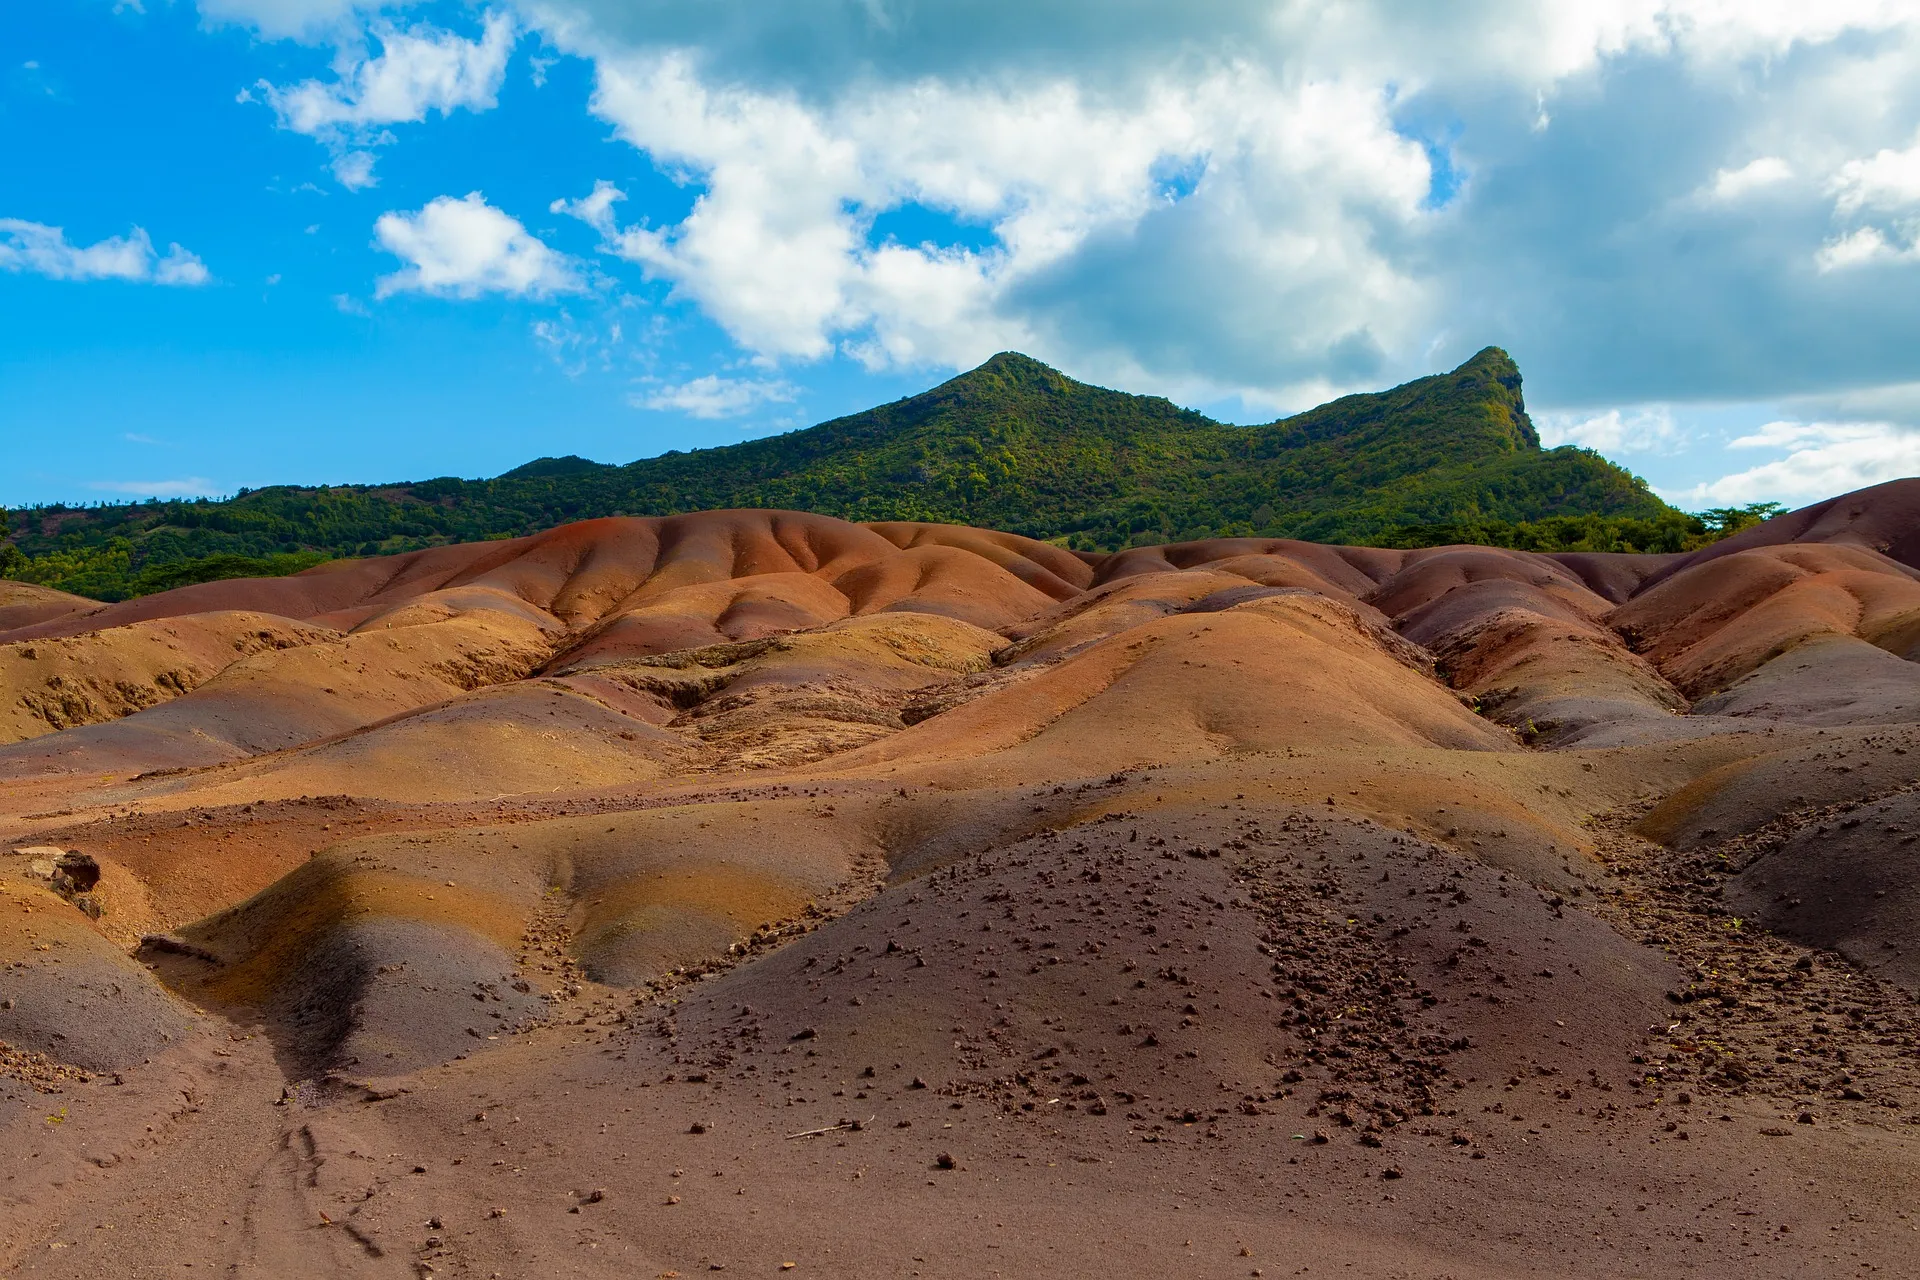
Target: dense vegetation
(1012, 445)
(1670, 531)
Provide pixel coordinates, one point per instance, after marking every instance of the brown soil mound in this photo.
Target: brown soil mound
(749, 888)
(25, 605)
(284, 697)
(1849, 882)
(1884, 518)
(66, 991)
(96, 676)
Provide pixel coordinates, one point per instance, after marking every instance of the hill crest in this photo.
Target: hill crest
(1013, 444)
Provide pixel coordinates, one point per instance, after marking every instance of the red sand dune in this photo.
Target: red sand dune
(749, 888)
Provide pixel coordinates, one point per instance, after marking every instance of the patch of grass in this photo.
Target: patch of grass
(106, 572)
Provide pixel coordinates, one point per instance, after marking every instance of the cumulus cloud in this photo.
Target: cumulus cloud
(1767, 171)
(779, 247)
(1646, 429)
(178, 266)
(44, 250)
(1364, 190)
(1880, 194)
(464, 248)
(1824, 458)
(1794, 435)
(418, 71)
(1888, 179)
(595, 208)
(1275, 199)
(354, 170)
(1860, 247)
(713, 396)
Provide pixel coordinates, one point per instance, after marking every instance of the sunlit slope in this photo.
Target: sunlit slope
(1012, 445)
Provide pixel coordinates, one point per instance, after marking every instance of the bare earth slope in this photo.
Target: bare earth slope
(756, 891)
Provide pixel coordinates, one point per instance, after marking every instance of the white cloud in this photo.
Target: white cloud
(1886, 184)
(595, 208)
(1790, 435)
(187, 487)
(1626, 193)
(1647, 429)
(466, 247)
(1858, 247)
(1326, 235)
(1826, 458)
(44, 250)
(281, 19)
(1767, 171)
(715, 397)
(1888, 179)
(180, 267)
(577, 346)
(418, 71)
(354, 170)
(1295, 180)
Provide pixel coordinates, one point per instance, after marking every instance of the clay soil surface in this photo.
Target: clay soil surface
(759, 893)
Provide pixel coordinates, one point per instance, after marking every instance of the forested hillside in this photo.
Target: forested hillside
(1012, 445)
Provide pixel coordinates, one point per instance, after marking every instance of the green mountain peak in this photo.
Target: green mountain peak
(1013, 445)
(571, 464)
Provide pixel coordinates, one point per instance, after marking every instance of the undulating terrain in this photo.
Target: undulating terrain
(760, 892)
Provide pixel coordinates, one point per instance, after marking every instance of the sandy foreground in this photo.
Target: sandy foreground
(761, 893)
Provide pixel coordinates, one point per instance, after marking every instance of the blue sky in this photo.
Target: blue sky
(246, 242)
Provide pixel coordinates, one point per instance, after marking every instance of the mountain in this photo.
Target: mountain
(1017, 445)
(1012, 445)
